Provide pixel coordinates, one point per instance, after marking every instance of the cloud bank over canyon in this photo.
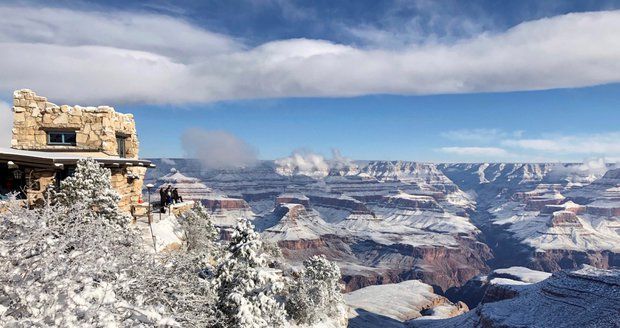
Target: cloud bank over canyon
(122, 57)
(218, 149)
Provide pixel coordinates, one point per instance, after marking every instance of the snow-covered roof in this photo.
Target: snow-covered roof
(51, 159)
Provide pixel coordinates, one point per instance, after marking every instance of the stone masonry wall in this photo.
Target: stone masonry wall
(129, 189)
(96, 127)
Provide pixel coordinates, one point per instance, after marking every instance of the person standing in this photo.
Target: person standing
(162, 197)
(169, 195)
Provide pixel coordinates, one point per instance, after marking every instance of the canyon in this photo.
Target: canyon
(385, 222)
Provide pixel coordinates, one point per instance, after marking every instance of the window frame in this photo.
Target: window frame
(124, 138)
(63, 137)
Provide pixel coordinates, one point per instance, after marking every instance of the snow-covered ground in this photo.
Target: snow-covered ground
(166, 231)
(522, 274)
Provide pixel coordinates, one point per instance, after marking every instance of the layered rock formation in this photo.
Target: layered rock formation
(588, 297)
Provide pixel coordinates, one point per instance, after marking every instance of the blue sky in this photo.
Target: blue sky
(394, 127)
(415, 80)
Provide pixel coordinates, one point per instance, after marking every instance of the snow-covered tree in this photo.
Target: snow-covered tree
(91, 185)
(315, 295)
(273, 255)
(200, 233)
(247, 290)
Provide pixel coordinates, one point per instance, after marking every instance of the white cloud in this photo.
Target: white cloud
(94, 57)
(475, 151)
(433, 22)
(303, 162)
(6, 124)
(306, 162)
(598, 143)
(595, 147)
(168, 161)
(218, 149)
(476, 135)
(340, 162)
(590, 166)
(163, 35)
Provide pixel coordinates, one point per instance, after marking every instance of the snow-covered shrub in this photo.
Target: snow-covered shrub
(63, 265)
(177, 285)
(91, 185)
(247, 289)
(315, 296)
(59, 269)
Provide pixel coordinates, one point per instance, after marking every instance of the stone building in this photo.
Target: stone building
(49, 139)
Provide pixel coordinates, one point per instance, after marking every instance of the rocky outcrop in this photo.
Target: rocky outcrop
(225, 204)
(395, 304)
(564, 219)
(495, 286)
(420, 173)
(588, 297)
(293, 199)
(290, 247)
(295, 229)
(442, 267)
(340, 202)
(413, 202)
(604, 207)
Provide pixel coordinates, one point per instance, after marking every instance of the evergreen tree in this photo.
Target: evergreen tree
(316, 294)
(91, 186)
(200, 233)
(246, 288)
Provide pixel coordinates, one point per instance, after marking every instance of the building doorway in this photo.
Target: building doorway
(12, 181)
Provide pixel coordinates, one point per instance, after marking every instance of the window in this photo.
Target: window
(61, 138)
(120, 146)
